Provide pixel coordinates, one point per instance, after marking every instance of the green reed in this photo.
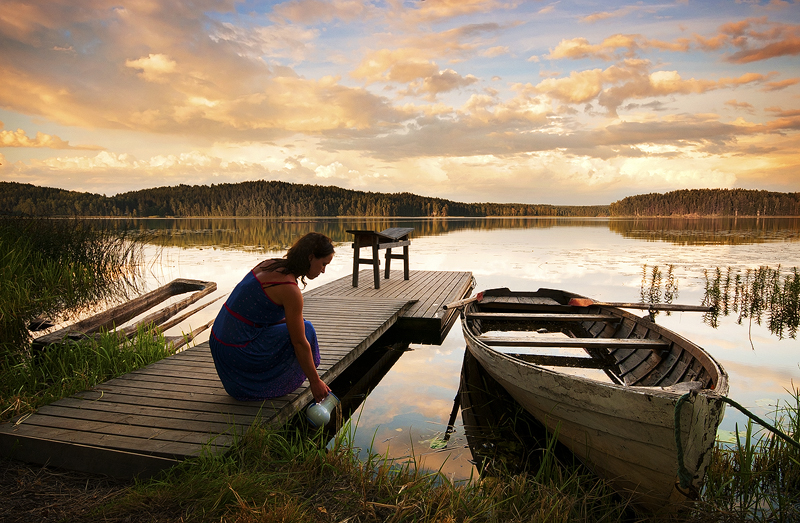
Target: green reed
(52, 269)
(757, 478)
(61, 370)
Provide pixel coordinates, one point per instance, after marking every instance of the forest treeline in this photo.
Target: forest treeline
(709, 202)
(259, 198)
(274, 198)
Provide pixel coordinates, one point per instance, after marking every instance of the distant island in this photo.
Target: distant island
(275, 199)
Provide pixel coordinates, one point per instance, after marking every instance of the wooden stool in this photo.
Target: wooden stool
(386, 239)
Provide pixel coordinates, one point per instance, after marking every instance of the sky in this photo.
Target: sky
(507, 101)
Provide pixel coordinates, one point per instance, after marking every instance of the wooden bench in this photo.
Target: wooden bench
(387, 239)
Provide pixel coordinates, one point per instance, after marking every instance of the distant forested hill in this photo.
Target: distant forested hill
(270, 199)
(260, 198)
(709, 202)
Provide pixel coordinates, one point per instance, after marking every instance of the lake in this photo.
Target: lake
(605, 259)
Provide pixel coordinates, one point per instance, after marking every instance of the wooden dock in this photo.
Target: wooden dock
(150, 419)
(425, 321)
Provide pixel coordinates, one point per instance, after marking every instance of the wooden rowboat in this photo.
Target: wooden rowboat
(608, 383)
(114, 317)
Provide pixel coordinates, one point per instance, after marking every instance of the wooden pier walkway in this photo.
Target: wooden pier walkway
(150, 419)
(425, 321)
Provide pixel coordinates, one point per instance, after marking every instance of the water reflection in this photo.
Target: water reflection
(756, 294)
(658, 287)
(262, 234)
(708, 231)
(497, 433)
(502, 436)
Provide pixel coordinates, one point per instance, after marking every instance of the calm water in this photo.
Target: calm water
(600, 258)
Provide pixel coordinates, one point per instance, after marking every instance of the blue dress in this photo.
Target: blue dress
(250, 344)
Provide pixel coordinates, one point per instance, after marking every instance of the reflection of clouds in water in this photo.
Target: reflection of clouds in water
(417, 397)
(422, 381)
(453, 461)
(758, 388)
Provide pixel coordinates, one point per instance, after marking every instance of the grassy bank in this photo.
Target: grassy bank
(63, 370)
(290, 475)
(293, 474)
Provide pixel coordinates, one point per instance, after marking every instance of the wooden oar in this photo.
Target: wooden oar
(586, 302)
(461, 303)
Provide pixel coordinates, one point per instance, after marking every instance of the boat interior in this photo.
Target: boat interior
(595, 341)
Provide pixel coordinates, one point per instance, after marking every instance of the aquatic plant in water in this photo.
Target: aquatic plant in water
(762, 294)
(657, 287)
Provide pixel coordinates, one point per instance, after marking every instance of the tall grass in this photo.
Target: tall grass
(62, 370)
(757, 478)
(291, 475)
(53, 268)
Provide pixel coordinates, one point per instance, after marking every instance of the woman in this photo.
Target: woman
(261, 345)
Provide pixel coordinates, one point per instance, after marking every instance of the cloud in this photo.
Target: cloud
(781, 84)
(605, 15)
(790, 46)
(781, 112)
(434, 10)
(399, 65)
(612, 47)
(217, 91)
(612, 86)
(497, 50)
(441, 82)
(276, 41)
(313, 11)
(19, 138)
(364, 93)
(154, 67)
(734, 104)
(404, 66)
(755, 38)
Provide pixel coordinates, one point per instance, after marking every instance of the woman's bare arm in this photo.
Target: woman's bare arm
(293, 306)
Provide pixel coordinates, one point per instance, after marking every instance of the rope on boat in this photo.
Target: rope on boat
(683, 474)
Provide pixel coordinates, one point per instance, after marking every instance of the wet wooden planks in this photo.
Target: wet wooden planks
(149, 419)
(425, 321)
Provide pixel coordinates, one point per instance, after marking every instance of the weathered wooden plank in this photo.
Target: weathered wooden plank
(513, 341)
(540, 316)
(83, 458)
(179, 416)
(561, 361)
(150, 433)
(166, 449)
(232, 407)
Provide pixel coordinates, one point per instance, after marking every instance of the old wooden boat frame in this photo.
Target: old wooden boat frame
(623, 428)
(163, 319)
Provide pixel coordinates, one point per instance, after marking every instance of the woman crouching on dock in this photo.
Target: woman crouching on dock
(261, 345)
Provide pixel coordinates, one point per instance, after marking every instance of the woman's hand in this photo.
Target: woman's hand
(319, 389)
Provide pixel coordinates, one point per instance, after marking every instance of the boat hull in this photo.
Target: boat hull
(626, 434)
